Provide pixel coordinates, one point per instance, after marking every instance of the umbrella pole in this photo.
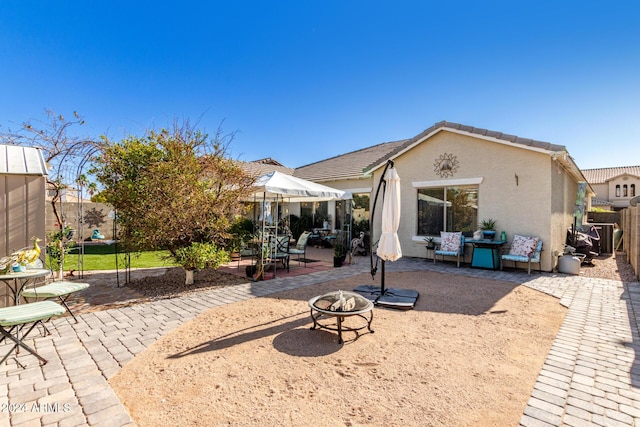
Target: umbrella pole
(373, 211)
(382, 289)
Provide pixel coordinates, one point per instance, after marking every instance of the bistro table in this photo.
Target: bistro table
(16, 281)
(341, 304)
(486, 253)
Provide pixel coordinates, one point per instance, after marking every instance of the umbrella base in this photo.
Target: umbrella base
(402, 299)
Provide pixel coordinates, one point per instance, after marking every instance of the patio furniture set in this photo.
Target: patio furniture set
(271, 250)
(489, 253)
(32, 305)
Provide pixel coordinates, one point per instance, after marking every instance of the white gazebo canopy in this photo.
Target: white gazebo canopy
(275, 185)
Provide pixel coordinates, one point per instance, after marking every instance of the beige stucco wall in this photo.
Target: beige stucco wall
(622, 180)
(350, 184)
(601, 190)
(563, 200)
(607, 190)
(537, 203)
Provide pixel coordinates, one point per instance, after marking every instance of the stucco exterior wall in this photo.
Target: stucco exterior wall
(357, 185)
(622, 201)
(525, 191)
(601, 190)
(563, 200)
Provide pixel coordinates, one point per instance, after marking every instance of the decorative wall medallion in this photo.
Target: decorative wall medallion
(446, 165)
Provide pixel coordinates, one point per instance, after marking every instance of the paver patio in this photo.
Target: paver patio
(591, 375)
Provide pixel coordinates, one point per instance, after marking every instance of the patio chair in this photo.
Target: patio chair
(523, 249)
(59, 289)
(279, 250)
(451, 244)
(301, 247)
(15, 318)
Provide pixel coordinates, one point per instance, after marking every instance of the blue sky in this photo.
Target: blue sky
(301, 81)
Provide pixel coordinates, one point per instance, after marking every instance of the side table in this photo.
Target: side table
(486, 253)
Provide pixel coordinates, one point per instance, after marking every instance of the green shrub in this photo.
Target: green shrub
(201, 255)
(58, 246)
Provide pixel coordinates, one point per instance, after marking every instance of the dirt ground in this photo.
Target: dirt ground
(468, 354)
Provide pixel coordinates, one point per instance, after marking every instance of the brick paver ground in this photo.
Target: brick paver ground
(591, 375)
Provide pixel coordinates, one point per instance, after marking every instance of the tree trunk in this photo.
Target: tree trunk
(61, 252)
(189, 278)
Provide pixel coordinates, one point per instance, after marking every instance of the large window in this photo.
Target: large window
(314, 214)
(447, 209)
(360, 213)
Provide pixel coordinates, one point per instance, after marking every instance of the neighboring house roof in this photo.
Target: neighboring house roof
(349, 165)
(67, 194)
(600, 202)
(268, 161)
(19, 160)
(260, 167)
(602, 175)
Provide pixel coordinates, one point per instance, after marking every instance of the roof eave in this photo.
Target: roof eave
(568, 164)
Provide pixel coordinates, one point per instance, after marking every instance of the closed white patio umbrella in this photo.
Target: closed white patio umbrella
(389, 246)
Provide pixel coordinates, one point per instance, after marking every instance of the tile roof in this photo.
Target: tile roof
(260, 167)
(356, 163)
(268, 161)
(476, 131)
(600, 202)
(602, 175)
(19, 160)
(349, 165)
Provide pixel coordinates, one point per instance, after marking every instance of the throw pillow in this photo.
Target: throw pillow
(302, 240)
(450, 242)
(523, 246)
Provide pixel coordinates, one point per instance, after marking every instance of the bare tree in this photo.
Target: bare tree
(64, 153)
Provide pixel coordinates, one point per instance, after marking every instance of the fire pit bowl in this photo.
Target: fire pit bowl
(339, 305)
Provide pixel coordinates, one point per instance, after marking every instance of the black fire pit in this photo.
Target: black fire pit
(341, 304)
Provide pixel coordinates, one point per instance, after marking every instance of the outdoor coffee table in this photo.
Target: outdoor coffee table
(341, 304)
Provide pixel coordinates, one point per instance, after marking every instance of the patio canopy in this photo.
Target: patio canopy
(276, 184)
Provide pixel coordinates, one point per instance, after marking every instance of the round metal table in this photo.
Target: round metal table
(16, 281)
(341, 304)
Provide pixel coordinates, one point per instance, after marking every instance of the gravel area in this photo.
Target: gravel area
(610, 266)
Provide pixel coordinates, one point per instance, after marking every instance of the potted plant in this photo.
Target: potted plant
(488, 228)
(431, 244)
(235, 245)
(339, 253)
